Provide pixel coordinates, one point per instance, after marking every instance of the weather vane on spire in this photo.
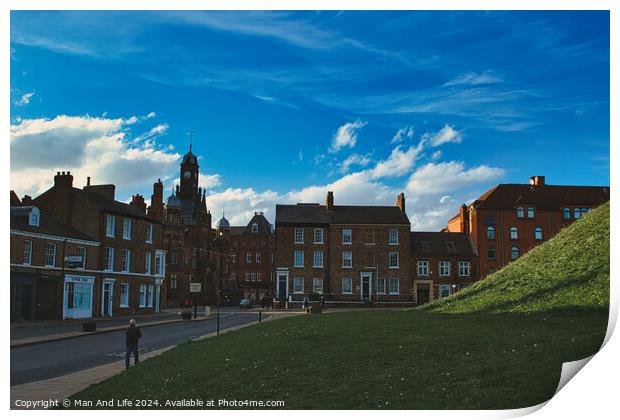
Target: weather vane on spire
(190, 134)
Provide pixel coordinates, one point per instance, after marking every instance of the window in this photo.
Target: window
(444, 268)
(393, 259)
(248, 257)
(33, 218)
(125, 257)
(28, 252)
(566, 213)
(81, 251)
(108, 259)
(149, 233)
(577, 213)
(380, 286)
(317, 286)
(490, 232)
(538, 234)
(147, 263)
(298, 285)
(393, 240)
(50, 255)
(520, 212)
(126, 228)
(253, 276)
(423, 268)
(160, 263)
(124, 295)
(234, 258)
(444, 290)
(254, 228)
(233, 276)
(347, 259)
(347, 286)
(346, 236)
(257, 257)
(530, 212)
(299, 235)
(299, 259)
(318, 259)
(394, 286)
(247, 276)
(464, 269)
(514, 233)
(514, 252)
(491, 252)
(318, 236)
(174, 281)
(143, 295)
(110, 223)
(259, 275)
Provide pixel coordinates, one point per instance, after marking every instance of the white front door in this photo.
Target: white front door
(365, 286)
(106, 298)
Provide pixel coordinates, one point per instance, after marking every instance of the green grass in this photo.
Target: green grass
(496, 346)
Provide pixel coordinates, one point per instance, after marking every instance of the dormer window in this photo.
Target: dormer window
(520, 212)
(254, 228)
(33, 219)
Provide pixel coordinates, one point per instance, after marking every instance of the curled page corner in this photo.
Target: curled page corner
(570, 369)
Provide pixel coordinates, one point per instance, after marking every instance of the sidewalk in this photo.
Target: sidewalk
(63, 387)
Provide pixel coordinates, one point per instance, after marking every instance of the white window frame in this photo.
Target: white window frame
(247, 276)
(515, 230)
(257, 257)
(253, 276)
(344, 281)
(445, 287)
(422, 268)
(320, 238)
(109, 257)
(148, 259)
(174, 280)
(296, 282)
(149, 233)
(315, 263)
(531, 212)
(347, 232)
(248, 257)
(298, 237)
(149, 295)
(27, 252)
(254, 228)
(82, 248)
(512, 249)
(381, 286)
(127, 228)
(464, 269)
(142, 296)
(350, 259)
(34, 217)
(393, 241)
(444, 268)
(124, 295)
(297, 253)
(490, 229)
(520, 213)
(317, 285)
(125, 260)
(110, 226)
(259, 276)
(160, 263)
(538, 230)
(392, 255)
(394, 282)
(566, 213)
(48, 255)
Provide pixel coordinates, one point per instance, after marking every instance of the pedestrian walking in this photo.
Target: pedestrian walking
(132, 336)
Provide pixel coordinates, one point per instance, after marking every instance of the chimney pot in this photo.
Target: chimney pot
(88, 181)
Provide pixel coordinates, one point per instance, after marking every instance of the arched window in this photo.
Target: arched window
(530, 212)
(514, 233)
(577, 213)
(566, 213)
(538, 234)
(254, 228)
(490, 232)
(520, 212)
(514, 252)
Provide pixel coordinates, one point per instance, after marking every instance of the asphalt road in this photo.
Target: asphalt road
(49, 360)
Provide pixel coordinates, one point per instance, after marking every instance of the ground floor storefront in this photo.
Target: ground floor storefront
(428, 290)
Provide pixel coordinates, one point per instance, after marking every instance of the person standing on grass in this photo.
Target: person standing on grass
(132, 336)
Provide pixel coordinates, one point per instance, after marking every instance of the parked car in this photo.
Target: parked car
(245, 303)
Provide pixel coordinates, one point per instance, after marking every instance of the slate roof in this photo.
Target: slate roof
(315, 214)
(553, 197)
(437, 244)
(48, 224)
(113, 206)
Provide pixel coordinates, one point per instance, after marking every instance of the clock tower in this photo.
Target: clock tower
(189, 176)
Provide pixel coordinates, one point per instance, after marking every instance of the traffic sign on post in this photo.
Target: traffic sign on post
(195, 287)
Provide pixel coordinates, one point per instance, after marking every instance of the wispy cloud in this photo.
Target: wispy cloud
(473, 78)
(346, 135)
(446, 135)
(24, 99)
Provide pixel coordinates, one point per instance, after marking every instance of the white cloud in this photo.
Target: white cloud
(353, 160)
(402, 134)
(87, 146)
(24, 99)
(446, 135)
(473, 78)
(398, 163)
(346, 136)
(444, 177)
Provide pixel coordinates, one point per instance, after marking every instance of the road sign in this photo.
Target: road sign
(195, 287)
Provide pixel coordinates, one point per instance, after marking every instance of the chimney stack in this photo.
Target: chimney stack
(464, 219)
(27, 200)
(329, 201)
(61, 204)
(400, 202)
(63, 179)
(156, 210)
(88, 181)
(138, 201)
(537, 180)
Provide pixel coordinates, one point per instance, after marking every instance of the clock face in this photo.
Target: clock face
(187, 174)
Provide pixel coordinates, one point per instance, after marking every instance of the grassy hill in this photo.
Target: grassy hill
(568, 272)
(497, 345)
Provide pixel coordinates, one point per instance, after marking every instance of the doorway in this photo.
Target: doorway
(366, 287)
(106, 296)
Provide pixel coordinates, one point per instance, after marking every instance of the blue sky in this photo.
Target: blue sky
(288, 105)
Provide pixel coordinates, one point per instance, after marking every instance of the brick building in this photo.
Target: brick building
(252, 257)
(442, 263)
(39, 245)
(126, 271)
(351, 254)
(509, 219)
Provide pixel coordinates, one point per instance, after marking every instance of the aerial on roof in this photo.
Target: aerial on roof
(317, 214)
(442, 244)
